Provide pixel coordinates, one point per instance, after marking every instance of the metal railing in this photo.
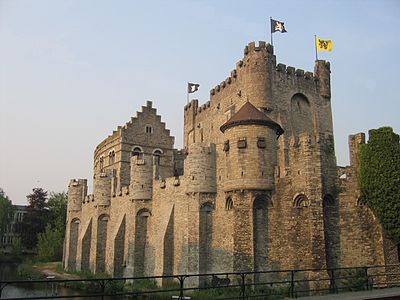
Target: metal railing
(233, 285)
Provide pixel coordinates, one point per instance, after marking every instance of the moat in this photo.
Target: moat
(8, 271)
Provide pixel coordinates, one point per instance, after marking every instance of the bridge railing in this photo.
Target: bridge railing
(232, 285)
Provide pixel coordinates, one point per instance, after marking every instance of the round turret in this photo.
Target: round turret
(77, 190)
(250, 146)
(141, 187)
(200, 168)
(256, 74)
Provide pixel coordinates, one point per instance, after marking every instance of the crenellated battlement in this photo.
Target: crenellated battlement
(203, 108)
(89, 198)
(288, 73)
(303, 140)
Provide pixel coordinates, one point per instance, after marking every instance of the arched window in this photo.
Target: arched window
(138, 151)
(111, 157)
(101, 163)
(229, 203)
(300, 201)
(157, 157)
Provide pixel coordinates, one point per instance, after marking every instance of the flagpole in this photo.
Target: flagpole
(187, 93)
(316, 50)
(270, 30)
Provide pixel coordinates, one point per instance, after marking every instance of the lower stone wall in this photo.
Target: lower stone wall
(361, 241)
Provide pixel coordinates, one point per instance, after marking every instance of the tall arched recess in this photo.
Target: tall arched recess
(102, 222)
(301, 114)
(205, 237)
(86, 240)
(141, 240)
(331, 230)
(119, 250)
(260, 232)
(73, 243)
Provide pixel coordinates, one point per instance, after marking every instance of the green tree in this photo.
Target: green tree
(5, 212)
(50, 242)
(380, 178)
(57, 206)
(35, 219)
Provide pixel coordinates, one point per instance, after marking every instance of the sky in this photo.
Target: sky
(71, 71)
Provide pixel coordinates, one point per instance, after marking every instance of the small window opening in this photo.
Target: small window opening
(242, 143)
(261, 143)
(111, 157)
(157, 162)
(226, 146)
(157, 157)
(101, 164)
(228, 203)
(137, 152)
(300, 201)
(149, 129)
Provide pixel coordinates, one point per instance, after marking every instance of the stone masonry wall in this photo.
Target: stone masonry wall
(209, 208)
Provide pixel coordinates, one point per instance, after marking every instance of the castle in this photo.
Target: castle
(256, 186)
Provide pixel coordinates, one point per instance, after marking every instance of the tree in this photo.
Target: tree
(57, 206)
(380, 178)
(5, 212)
(35, 219)
(50, 242)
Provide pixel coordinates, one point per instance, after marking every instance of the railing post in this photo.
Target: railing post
(242, 286)
(181, 279)
(292, 284)
(366, 278)
(103, 288)
(333, 286)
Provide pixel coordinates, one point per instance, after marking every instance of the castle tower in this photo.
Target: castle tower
(141, 187)
(250, 159)
(256, 74)
(322, 71)
(77, 190)
(250, 149)
(200, 168)
(102, 188)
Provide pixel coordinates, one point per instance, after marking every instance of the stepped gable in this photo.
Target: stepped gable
(248, 114)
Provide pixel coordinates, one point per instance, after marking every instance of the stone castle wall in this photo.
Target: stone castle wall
(239, 200)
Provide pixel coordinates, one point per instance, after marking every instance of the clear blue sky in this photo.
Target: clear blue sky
(72, 71)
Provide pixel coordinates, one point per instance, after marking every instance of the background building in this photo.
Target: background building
(11, 236)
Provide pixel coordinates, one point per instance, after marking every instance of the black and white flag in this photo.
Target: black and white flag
(192, 87)
(277, 26)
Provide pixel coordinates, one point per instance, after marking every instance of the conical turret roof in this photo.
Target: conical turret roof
(248, 114)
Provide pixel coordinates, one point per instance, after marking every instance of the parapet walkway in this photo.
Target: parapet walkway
(385, 294)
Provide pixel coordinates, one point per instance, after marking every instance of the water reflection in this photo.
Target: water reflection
(8, 271)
